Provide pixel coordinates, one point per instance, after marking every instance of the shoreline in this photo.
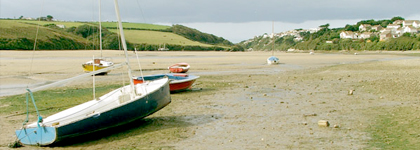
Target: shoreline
(16, 65)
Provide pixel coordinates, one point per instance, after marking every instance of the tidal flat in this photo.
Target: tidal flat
(239, 102)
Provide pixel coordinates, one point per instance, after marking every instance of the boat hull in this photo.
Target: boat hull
(178, 87)
(179, 68)
(272, 60)
(178, 82)
(125, 113)
(97, 64)
(90, 68)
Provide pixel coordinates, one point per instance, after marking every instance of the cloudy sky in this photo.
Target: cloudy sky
(235, 20)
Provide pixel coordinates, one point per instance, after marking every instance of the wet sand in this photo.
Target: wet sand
(239, 102)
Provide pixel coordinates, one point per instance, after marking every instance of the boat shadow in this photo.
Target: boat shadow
(192, 90)
(135, 128)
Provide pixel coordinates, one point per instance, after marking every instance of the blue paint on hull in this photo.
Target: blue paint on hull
(37, 136)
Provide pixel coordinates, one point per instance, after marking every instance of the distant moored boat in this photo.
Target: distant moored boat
(272, 60)
(179, 68)
(97, 64)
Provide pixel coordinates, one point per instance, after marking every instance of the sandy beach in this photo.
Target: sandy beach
(239, 102)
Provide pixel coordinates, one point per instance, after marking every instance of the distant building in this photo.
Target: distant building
(348, 35)
(409, 29)
(393, 26)
(414, 23)
(399, 22)
(61, 26)
(377, 28)
(385, 35)
(365, 35)
(365, 27)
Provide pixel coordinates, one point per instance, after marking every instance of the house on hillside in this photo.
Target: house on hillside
(409, 29)
(365, 27)
(414, 23)
(377, 27)
(61, 26)
(365, 35)
(348, 35)
(313, 30)
(399, 22)
(393, 26)
(385, 35)
(298, 38)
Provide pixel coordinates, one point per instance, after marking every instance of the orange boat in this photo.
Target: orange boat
(179, 68)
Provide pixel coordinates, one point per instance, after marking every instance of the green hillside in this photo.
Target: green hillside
(20, 34)
(36, 22)
(127, 25)
(104, 24)
(156, 38)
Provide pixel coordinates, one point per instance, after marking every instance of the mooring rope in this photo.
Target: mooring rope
(27, 108)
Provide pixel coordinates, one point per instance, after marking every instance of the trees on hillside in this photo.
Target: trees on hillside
(397, 18)
(196, 35)
(49, 18)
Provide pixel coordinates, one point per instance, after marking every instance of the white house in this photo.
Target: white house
(377, 27)
(365, 35)
(393, 26)
(414, 23)
(385, 35)
(409, 29)
(399, 22)
(61, 26)
(348, 35)
(365, 27)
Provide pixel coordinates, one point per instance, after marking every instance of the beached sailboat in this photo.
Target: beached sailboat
(178, 82)
(98, 63)
(272, 59)
(179, 68)
(120, 106)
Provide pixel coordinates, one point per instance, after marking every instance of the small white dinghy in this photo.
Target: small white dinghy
(272, 60)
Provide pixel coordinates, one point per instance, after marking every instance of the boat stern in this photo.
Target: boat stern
(40, 136)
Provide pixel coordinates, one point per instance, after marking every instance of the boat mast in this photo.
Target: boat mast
(272, 38)
(100, 29)
(117, 11)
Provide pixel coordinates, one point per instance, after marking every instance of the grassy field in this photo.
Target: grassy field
(135, 25)
(67, 24)
(22, 23)
(13, 29)
(156, 37)
(27, 29)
